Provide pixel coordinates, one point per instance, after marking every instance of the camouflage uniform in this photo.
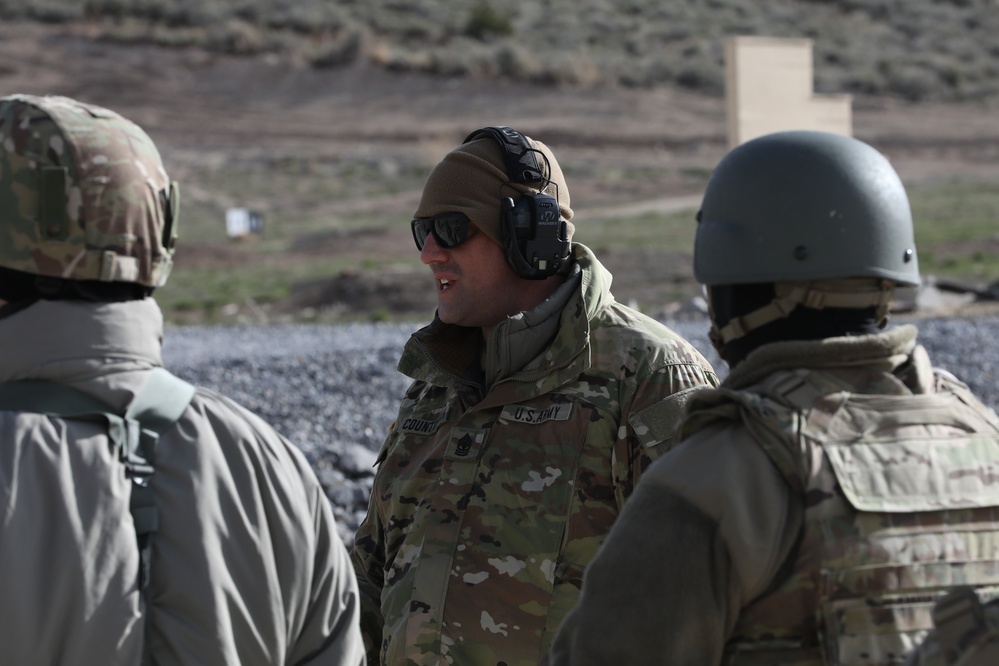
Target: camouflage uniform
(492, 497)
(822, 499)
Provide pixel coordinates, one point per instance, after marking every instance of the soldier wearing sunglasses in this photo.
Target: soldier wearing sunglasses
(537, 400)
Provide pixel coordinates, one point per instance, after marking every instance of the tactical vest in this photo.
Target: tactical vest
(901, 505)
(133, 435)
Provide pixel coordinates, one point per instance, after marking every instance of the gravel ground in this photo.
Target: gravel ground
(334, 389)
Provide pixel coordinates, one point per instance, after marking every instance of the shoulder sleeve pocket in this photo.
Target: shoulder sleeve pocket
(657, 425)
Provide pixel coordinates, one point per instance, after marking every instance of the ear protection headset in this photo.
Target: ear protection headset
(534, 233)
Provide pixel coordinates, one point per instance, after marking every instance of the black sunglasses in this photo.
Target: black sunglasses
(449, 229)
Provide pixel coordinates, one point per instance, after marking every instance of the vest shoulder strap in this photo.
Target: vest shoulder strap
(161, 401)
(158, 405)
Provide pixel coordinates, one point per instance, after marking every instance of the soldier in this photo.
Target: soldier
(537, 400)
(144, 520)
(836, 484)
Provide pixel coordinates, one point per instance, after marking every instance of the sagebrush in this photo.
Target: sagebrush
(941, 50)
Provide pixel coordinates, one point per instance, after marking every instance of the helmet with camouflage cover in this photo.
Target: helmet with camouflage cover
(822, 216)
(83, 194)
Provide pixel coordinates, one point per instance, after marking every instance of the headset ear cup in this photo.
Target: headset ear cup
(534, 236)
(516, 224)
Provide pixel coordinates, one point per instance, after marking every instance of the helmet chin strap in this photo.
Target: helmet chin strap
(814, 294)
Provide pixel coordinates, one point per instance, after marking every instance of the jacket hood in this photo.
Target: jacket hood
(76, 341)
(888, 349)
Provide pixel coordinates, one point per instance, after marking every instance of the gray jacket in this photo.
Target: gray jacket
(247, 567)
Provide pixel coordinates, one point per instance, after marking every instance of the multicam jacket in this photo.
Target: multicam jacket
(246, 568)
(490, 501)
(819, 504)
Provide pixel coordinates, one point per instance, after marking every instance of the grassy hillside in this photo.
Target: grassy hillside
(914, 49)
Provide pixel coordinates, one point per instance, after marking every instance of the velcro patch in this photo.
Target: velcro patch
(536, 415)
(415, 426)
(656, 425)
(464, 444)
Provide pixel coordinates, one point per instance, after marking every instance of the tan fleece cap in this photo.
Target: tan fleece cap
(471, 179)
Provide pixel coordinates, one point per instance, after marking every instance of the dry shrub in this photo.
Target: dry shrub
(860, 46)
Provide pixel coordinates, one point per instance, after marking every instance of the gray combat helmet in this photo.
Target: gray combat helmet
(83, 194)
(821, 216)
(804, 205)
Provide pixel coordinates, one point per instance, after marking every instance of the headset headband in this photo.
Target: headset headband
(519, 158)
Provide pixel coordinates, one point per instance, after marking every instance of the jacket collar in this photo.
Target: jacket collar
(515, 342)
(445, 354)
(886, 352)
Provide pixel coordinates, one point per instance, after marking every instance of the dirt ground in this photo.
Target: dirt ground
(199, 106)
